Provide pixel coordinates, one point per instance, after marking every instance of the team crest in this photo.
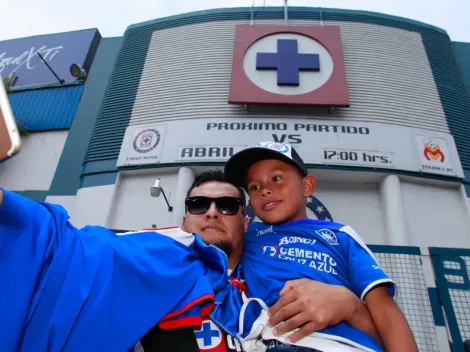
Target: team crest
(432, 151)
(278, 147)
(209, 337)
(271, 250)
(146, 140)
(328, 236)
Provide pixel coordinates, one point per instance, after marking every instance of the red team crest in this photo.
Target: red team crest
(432, 151)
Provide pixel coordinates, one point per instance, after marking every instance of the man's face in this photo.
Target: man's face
(223, 231)
(277, 191)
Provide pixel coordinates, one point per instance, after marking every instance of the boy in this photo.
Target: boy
(287, 245)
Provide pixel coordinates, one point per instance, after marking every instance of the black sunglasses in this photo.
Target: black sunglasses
(226, 205)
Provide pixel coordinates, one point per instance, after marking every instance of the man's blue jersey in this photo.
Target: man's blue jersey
(64, 288)
(324, 251)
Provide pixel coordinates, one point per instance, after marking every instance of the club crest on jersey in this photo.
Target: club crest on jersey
(271, 250)
(209, 337)
(328, 236)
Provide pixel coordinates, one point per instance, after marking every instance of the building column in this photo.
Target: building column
(466, 205)
(186, 178)
(393, 211)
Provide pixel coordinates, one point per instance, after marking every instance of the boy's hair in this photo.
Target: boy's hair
(211, 176)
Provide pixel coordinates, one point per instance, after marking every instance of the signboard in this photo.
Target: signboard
(300, 65)
(318, 142)
(20, 56)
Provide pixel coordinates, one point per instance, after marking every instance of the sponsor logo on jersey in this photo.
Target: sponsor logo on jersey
(328, 236)
(295, 239)
(271, 250)
(265, 231)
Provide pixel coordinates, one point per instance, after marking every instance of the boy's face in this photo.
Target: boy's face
(278, 191)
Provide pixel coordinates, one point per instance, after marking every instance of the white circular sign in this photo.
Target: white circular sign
(209, 336)
(268, 79)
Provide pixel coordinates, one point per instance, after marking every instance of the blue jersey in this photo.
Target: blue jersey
(324, 251)
(64, 288)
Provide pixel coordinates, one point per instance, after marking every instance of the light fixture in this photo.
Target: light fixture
(77, 71)
(155, 191)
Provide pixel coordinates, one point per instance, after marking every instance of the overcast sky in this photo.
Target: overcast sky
(30, 17)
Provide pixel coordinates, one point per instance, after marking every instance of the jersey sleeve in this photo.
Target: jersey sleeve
(364, 271)
(29, 233)
(90, 289)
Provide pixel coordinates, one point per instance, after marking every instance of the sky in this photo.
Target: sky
(23, 18)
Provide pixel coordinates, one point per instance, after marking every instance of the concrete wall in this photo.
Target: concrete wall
(436, 215)
(383, 209)
(355, 204)
(135, 208)
(34, 167)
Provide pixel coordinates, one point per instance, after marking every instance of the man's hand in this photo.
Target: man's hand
(310, 306)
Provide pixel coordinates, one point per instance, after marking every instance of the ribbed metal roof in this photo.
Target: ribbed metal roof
(47, 108)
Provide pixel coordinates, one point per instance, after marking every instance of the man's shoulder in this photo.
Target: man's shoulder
(314, 225)
(173, 232)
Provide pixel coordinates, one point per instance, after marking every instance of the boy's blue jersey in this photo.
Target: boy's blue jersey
(324, 251)
(64, 288)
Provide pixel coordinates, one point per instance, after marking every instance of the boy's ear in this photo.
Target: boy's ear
(309, 185)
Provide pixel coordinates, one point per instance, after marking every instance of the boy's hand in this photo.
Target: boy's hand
(310, 306)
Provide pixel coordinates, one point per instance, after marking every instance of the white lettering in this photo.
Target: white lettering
(293, 239)
(25, 59)
(265, 231)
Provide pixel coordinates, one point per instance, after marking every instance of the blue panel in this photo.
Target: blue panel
(436, 307)
(59, 50)
(46, 109)
(377, 248)
(288, 62)
(462, 53)
(37, 196)
(98, 180)
(67, 176)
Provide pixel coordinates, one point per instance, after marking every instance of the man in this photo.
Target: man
(88, 289)
(214, 210)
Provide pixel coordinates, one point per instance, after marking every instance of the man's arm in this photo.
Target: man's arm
(311, 305)
(391, 324)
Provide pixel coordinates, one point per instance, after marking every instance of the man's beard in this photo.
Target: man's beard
(223, 245)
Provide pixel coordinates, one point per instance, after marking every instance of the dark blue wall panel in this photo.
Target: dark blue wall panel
(47, 108)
